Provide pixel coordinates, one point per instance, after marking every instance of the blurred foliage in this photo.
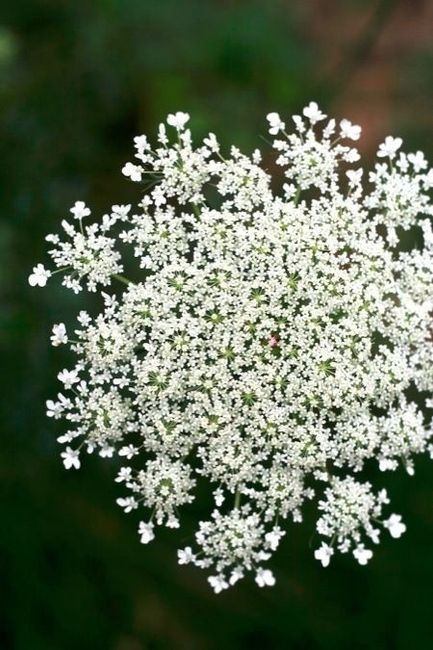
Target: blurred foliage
(77, 80)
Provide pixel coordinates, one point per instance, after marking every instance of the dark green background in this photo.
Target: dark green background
(78, 79)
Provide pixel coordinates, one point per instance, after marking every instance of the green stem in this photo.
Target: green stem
(196, 209)
(297, 196)
(121, 278)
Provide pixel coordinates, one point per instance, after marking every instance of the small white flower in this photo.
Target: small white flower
(212, 142)
(324, 554)
(172, 522)
(237, 574)
(428, 179)
(83, 318)
(125, 474)
(121, 211)
(349, 130)
(351, 156)
(53, 239)
(387, 464)
(178, 119)
(54, 409)
(106, 451)
(80, 210)
(313, 113)
(68, 378)
(362, 554)
(66, 438)
(39, 276)
(418, 161)
(410, 469)
(299, 123)
(382, 497)
(158, 196)
(128, 503)
(129, 451)
(329, 129)
(275, 123)
(219, 497)
(145, 531)
(273, 537)
(354, 176)
(134, 172)
(185, 556)
(71, 458)
(141, 143)
(218, 583)
(59, 335)
(265, 578)
(162, 134)
(395, 525)
(390, 147)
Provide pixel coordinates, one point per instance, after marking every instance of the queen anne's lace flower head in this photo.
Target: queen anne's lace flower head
(270, 344)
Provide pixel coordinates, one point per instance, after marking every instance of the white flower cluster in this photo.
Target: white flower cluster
(272, 345)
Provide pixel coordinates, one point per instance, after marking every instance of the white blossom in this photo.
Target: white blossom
(264, 337)
(71, 458)
(68, 378)
(275, 123)
(362, 554)
(324, 554)
(178, 119)
(265, 578)
(395, 526)
(129, 451)
(80, 210)
(313, 113)
(127, 503)
(236, 575)
(55, 409)
(390, 147)
(39, 276)
(354, 176)
(349, 130)
(185, 556)
(124, 475)
(273, 538)
(212, 142)
(134, 172)
(59, 335)
(218, 583)
(146, 533)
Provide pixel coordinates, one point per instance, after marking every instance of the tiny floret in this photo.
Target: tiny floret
(389, 148)
(395, 526)
(218, 583)
(362, 554)
(275, 123)
(80, 210)
(71, 458)
(39, 276)
(178, 119)
(324, 554)
(185, 556)
(134, 172)
(265, 578)
(313, 113)
(146, 533)
(59, 335)
(68, 378)
(349, 130)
